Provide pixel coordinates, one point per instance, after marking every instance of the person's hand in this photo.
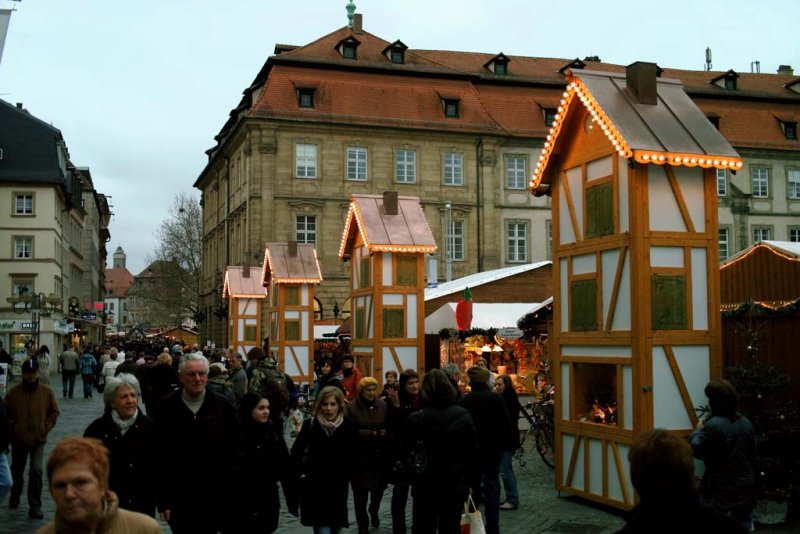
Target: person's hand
(700, 423)
(392, 394)
(165, 515)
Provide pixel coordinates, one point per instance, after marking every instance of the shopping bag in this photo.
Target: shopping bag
(471, 522)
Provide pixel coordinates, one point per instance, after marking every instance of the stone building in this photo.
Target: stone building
(352, 113)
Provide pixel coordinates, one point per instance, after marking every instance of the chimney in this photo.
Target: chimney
(786, 70)
(641, 82)
(246, 271)
(390, 202)
(357, 23)
(19, 105)
(293, 249)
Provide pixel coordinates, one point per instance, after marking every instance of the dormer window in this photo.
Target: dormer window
(789, 129)
(549, 116)
(396, 52)
(794, 85)
(348, 48)
(727, 81)
(305, 97)
(498, 64)
(451, 108)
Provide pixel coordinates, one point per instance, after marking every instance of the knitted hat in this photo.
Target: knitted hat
(478, 375)
(365, 382)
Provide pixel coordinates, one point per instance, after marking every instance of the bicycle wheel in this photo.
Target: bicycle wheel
(545, 443)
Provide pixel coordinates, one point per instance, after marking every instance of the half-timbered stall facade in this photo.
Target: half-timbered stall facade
(386, 239)
(291, 272)
(631, 165)
(244, 293)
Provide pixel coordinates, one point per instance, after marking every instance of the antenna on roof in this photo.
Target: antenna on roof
(755, 66)
(708, 58)
(351, 9)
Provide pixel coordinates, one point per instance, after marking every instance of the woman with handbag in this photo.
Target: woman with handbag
(321, 454)
(443, 440)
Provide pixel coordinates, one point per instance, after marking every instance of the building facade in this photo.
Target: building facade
(52, 246)
(351, 113)
(118, 280)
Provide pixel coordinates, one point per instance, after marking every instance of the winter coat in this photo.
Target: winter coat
(322, 463)
(265, 462)
(132, 458)
(115, 521)
(158, 382)
(218, 386)
(491, 421)
(513, 407)
(447, 436)
(373, 447)
(32, 413)
(207, 450)
(686, 515)
(728, 448)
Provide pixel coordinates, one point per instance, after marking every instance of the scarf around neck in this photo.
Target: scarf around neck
(330, 426)
(124, 424)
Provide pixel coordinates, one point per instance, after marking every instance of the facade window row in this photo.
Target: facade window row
(760, 183)
(405, 166)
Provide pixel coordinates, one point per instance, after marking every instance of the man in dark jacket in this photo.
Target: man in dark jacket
(195, 484)
(493, 427)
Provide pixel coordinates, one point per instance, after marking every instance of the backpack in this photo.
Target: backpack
(272, 384)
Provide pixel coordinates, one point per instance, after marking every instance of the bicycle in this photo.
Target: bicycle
(541, 426)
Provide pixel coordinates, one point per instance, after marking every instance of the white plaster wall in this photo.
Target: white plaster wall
(387, 268)
(406, 355)
(392, 299)
(564, 304)
(699, 290)
(596, 466)
(564, 393)
(609, 260)
(621, 351)
(411, 316)
(575, 179)
(584, 264)
(668, 409)
(666, 257)
(622, 312)
(664, 212)
(624, 210)
(694, 361)
(599, 168)
(567, 234)
(690, 181)
(627, 396)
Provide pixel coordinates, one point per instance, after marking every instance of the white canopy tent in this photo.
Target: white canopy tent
(484, 315)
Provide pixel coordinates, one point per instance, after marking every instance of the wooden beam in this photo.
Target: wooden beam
(623, 483)
(573, 459)
(676, 190)
(676, 373)
(612, 307)
(573, 217)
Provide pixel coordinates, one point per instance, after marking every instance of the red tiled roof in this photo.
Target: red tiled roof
(117, 282)
(372, 90)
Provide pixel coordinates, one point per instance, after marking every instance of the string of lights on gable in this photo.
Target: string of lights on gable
(268, 261)
(577, 89)
(354, 213)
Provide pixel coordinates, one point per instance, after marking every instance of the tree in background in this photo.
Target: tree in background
(166, 293)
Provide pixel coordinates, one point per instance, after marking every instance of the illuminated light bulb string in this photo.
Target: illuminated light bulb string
(576, 88)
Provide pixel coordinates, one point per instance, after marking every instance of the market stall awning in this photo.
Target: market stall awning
(484, 315)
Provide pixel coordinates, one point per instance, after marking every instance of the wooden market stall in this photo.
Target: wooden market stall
(290, 273)
(244, 293)
(385, 239)
(631, 165)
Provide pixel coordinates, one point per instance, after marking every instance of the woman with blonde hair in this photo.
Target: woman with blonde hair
(320, 454)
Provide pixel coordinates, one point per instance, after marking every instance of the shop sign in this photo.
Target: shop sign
(8, 326)
(88, 316)
(28, 326)
(62, 327)
(510, 333)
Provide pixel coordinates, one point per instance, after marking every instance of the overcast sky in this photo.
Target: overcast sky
(139, 89)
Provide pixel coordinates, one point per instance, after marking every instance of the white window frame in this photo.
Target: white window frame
(25, 201)
(23, 247)
(305, 160)
(724, 243)
(722, 182)
(516, 177)
(357, 163)
(456, 238)
(305, 229)
(453, 163)
(516, 242)
(793, 233)
(17, 283)
(761, 233)
(759, 182)
(405, 166)
(793, 184)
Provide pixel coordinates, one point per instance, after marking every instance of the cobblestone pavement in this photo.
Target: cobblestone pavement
(541, 508)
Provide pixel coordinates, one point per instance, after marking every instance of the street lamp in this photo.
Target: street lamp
(37, 304)
(448, 241)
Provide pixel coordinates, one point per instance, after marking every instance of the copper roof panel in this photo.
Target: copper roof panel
(301, 268)
(409, 228)
(238, 285)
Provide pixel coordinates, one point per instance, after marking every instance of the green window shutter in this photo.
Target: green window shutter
(406, 270)
(365, 277)
(291, 330)
(600, 210)
(360, 330)
(669, 302)
(250, 333)
(583, 305)
(291, 295)
(393, 320)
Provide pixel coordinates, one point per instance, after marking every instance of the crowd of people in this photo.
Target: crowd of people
(199, 441)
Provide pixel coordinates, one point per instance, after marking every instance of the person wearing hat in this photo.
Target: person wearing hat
(493, 427)
(351, 376)
(370, 414)
(32, 413)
